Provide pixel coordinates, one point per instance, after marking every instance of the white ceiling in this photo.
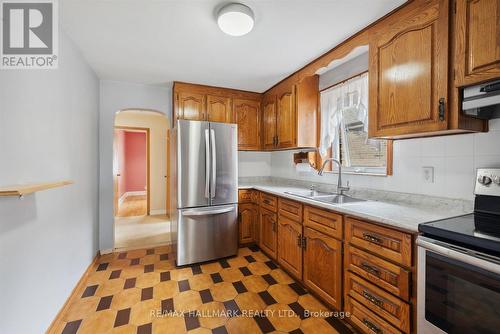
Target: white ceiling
(159, 41)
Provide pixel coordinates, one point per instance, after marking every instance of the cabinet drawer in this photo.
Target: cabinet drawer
(392, 309)
(388, 243)
(386, 275)
(367, 321)
(290, 209)
(269, 202)
(324, 221)
(245, 196)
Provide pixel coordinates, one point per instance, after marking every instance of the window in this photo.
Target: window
(344, 128)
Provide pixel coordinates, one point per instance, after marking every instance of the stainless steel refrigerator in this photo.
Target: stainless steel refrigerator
(204, 191)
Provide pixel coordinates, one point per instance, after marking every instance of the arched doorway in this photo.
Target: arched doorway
(140, 177)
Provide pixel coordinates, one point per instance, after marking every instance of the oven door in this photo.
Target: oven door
(458, 290)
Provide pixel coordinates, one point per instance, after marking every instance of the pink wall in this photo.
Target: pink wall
(135, 161)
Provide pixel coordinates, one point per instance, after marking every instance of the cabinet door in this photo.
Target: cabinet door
(323, 266)
(477, 41)
(268, 232)
(219, 109)
(269, 124)
(191, 106)
(286, 119)
(290, 246)
(246, 220)
(409, 72)
(246, 114)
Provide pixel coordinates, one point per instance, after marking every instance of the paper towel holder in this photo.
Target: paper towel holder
(305, 157)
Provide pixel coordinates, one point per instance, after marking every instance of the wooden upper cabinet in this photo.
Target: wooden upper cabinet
(219, 109)
(246, 113)
(190, 106)
(269, 122)
(477, 41)
(409, 71)
(286, 122)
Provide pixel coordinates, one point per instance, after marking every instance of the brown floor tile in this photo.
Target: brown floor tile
(104, 303)
(72, 327)
(237, 262)
(281, 277)
(147, 293)
(142, 313)
(315, 326)
(259, 268)
(126, 298)
(231, 274)
(255, 283)
(210, 268)
(122, 317)
(223, 291)
(200, 282)
(212, 315)
(99, 322)
(169, 325)
(147, 280)
(283, 293)
(187, 301)
(250, 301)
(165, 290)
(283, 318)
(110, 287)
(310, 303)
(242, 325)
(81, 309)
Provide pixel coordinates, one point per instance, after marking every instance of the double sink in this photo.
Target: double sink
(325, 197)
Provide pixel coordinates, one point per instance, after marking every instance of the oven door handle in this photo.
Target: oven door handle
(473, 258)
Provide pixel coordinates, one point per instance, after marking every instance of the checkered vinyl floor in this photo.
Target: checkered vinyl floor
(141, 291)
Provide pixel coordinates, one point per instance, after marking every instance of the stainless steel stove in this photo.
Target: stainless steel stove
(459, 266)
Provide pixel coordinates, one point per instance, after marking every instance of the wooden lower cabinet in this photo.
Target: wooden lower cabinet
(323, 266)
(247, 218)
(290, 246)
(366, 320)
(268, 232)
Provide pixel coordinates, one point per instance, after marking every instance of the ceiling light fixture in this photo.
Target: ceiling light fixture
(235, 19)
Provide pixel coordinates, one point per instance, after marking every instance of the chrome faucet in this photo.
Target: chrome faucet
(340, 188)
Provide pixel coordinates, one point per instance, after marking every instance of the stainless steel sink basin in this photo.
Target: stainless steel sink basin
(338, 199)
(312, 194)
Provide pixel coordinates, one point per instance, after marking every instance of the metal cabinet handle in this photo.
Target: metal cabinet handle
(274, 226)
(441, 109)
(371, 269)
(299, 240)
(372, 298)
(372, 238)
(207, 164)
(371, 326)
(214, 164)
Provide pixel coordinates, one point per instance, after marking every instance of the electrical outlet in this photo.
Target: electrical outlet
(428, 174)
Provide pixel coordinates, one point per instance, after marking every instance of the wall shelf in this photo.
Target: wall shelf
(24, 189)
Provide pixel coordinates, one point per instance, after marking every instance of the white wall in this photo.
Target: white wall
(48, 131)
(115, 96)
(454, 158)
(254, 164)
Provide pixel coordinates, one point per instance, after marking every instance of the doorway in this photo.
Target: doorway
(140, 173)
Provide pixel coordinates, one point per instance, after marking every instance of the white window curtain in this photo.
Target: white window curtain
(335, 101)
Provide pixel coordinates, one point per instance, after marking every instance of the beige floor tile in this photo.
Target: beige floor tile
(148, 280)
(200, 282)
(99, 322)
(126, 298)
(283, 318)
(250, 301)
(231, 274)
(169, 325)
(165, 290)
(255, 283)
(242, 325)
(144, 312)
(212, 315)
(283, 293)
(187, 301)
(259, 268)
(223, 291)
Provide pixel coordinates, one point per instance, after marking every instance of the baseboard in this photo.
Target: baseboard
(106, 251)
(79, 286)
(158, 212)
(124, 196)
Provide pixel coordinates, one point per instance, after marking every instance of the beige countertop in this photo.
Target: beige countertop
(403, 216)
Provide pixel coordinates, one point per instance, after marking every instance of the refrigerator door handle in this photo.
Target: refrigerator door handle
(207, 164)
(213, 158)
(191, 213)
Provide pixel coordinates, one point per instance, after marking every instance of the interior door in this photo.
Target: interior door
(193, 148)
(167, 176)
(224, 163)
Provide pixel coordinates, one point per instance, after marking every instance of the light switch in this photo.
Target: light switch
(428, 174)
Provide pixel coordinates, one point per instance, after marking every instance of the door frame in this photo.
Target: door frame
(148, 160)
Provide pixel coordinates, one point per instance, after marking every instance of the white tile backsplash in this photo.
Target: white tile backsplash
(454, 158)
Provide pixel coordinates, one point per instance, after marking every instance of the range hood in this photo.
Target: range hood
(482, 101)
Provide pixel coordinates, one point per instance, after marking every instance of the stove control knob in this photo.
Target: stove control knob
(484, 180)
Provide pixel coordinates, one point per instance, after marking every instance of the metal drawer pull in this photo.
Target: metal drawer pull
(371, 269)
(372, 298)
(373, 238)
(371, 326)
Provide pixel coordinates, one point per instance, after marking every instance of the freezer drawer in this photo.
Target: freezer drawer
(207, 233)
